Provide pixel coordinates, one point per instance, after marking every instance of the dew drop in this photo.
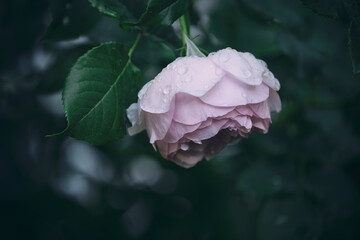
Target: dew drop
(184, 146)
(167, 89)
(182, 69)
(173, 66)
(247, 73)
(224, 57)
(188, 79)
(268, 74)
(178, 84)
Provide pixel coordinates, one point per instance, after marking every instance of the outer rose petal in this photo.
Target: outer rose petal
(192, 75)
(261, 67)
(230, 92)
(274, 101)
(136, 118)
(157, 124)
(234, 63)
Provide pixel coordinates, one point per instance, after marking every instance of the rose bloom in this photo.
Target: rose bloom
(197, 105)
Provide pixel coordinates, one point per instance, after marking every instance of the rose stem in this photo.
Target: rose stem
(185, 28)
(134, 45)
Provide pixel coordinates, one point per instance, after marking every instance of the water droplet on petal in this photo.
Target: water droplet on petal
(247, 73)
(173, 66)
(182, 69)
(224, 57)
(178, 84)
(188, 79)
(268, 74)
(184, 146)
(167, 89)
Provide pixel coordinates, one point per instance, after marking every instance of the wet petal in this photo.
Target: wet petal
(191, 110)
(157, 124)
(230, 92)
(235, 64)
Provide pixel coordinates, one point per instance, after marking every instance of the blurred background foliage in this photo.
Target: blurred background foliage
(300, 181)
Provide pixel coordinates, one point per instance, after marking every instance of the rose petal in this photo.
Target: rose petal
(166, 148)
(235, 64)
(157, 124)
(270, 80)
(191, 110)
(178, 130)
(192, 75)
(207, 132)
(262, 110)
(136, 118)
(245, 110)
(230, 92)
(274, 101)
(261, 124)
(244, 121)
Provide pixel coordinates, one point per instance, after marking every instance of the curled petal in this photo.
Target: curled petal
(157, 124)
(261, 110)
(136, 118)
(192, 75)
(274, 101)
(235, 64)
(191, 110)
(230, 92)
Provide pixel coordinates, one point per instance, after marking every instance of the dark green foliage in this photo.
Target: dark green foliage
(97, 91)
(157, 12)
(299, 181)
(327, 8)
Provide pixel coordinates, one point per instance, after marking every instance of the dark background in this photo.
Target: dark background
(300, 181)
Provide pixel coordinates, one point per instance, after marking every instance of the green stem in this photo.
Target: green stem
(134, 45)
(184, 27)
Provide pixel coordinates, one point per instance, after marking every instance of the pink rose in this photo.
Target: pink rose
(198, 105)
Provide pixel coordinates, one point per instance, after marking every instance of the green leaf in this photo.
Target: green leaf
(354, 46)
(326, 8)
(163, 12)
(99, 88)
(157, 13)
(112, 8)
